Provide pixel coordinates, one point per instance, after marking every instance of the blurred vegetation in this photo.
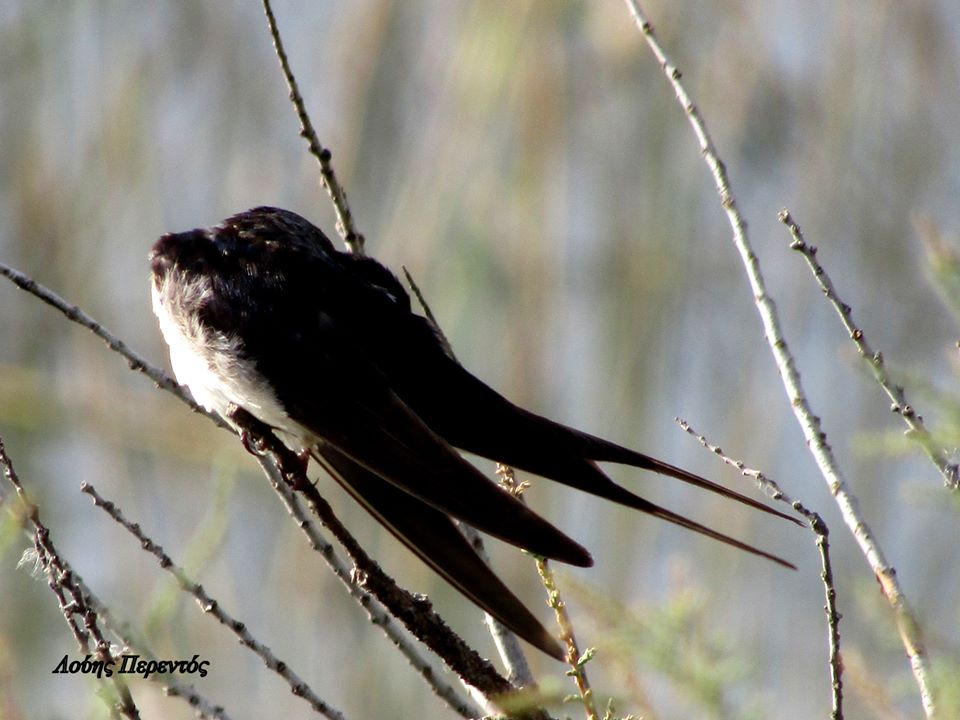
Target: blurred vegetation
(530, 166)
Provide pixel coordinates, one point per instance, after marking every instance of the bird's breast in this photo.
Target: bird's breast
(213, 364)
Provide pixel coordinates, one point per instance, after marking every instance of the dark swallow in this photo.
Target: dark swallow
(264, 313)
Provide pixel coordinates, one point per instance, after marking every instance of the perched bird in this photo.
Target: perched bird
(262, 312)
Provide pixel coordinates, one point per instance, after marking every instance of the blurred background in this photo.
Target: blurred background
(530, 166)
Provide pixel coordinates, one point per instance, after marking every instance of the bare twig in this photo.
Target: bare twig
(375, 611)
(204, 707)
(820, 529)
(201, 705)
(428, 312)
(74, 313)
(506, 642)
(906, 620)
(874, 359)
(345, 224)
(328, 178)
(209, 605)
(508, 646)
(82, 619)
(574, 658)
(416, 613)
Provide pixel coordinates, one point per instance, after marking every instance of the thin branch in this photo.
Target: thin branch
(328, 178)
(209, 605)
(375, 611)
(201, 705)
(820, 529)
(574, 658)
(76, 610)
(508, 646)
(874, 359)
(428, 312)
(416, 613)
(885, 573)
(134, 360)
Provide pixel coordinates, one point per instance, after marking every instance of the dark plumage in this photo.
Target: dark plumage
(263, 312)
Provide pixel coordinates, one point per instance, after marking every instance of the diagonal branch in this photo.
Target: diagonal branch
(874, 359)
(209, 605)
(515, 662)
(415, 613)
(82, 619)
(74, 313)
(328, 178)
(885, 573)
(820, 529)
(377, 614)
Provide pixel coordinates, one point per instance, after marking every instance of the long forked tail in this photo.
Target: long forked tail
(537, 445)
(672, 517)
(501, 431)
(497, 429)
(605, 451)
(583, 474)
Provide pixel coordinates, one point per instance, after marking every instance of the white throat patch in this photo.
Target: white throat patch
(211, 363)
